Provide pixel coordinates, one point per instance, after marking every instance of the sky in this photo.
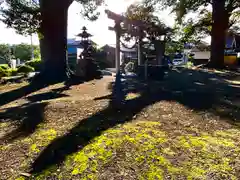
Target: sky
(99, 28)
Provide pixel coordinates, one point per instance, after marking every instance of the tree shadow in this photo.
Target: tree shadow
(37, 83)
(87, 129)
(28, 116)
(204, 91)
(33, 86)
(47, 96)
(197, 90)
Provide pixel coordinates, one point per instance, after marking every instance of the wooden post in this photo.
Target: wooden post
(159, 50)
(146, 70)
(117, 49)
(139, 51)
(140, 47)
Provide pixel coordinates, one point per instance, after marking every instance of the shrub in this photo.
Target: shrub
(4, 66)
(36, 64)
(12, 72)
(25, 69)
(4, 72)
(189, 64)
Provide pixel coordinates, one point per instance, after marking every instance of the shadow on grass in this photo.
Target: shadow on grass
(47, 96)
(28, 116)
(36, 84)
(204, 91)
(197, 90)
(33, 86)
(86, 130)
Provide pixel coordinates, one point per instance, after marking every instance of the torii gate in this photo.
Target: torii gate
(139, 27)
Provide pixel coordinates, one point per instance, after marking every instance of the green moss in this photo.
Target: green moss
(204, 141)
(3, 125)
(183, 142)
(206, 152)
(168, 151)
(5, 147)
(218, 141)
(48, 134)
(195, 172)
(27, 140)
(131, 96)
(197, 142)
(46, 173)
(230, 133)
(34, 148)
(100, 151)
(223, 166)
(154, 172)
(174, 170)
(42, 139)
(87, 161)
(143, 144)
(20, 178)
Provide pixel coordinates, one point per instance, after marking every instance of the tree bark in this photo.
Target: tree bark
(53, 43)
(220, 25)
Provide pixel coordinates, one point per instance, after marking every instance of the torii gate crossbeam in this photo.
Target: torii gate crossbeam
(118, 30)
(140, 26)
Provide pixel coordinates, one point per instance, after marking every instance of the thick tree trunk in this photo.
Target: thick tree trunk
(54, 37)
(219, 28)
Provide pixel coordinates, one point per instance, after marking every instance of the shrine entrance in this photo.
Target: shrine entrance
(137, 29)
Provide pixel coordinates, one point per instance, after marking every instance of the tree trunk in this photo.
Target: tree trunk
(159, 47)
(220, 25)
(54, 37)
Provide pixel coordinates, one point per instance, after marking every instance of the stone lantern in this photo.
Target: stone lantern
(87, 65)
(85, 38)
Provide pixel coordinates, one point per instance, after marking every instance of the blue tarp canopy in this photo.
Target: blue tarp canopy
(72, 50)
(230, 42)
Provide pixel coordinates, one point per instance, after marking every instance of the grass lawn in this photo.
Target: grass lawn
(185, 127)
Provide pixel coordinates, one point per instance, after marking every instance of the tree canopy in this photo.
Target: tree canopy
(18, 51)
(145, 13)
(25, 16)
(224, 12)
(24, 51)
(183, 7)
(49, 20)
(5, 52)
(200, 28)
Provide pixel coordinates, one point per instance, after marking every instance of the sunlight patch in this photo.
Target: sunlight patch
(131, 96)
(104, 149)
(151, 153)
(42, 138)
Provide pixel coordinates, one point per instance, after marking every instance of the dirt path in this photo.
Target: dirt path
(57, 92)
(150, 137)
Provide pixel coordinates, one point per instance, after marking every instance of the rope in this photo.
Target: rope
(125, 46)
